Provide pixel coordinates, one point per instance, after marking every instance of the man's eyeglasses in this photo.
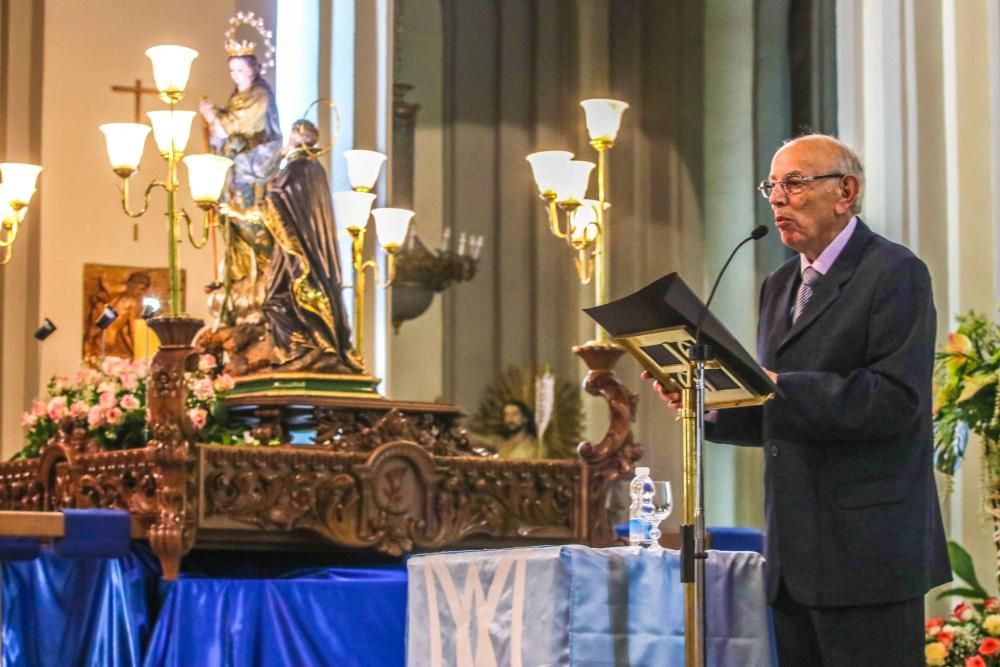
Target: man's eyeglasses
(792, 185)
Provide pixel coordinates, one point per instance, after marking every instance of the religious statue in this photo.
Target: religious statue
(303, 306)
(303, 324)
(518, 436)
(245, 130)
(528, 413)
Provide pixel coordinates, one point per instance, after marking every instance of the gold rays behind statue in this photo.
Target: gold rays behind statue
(558, 415)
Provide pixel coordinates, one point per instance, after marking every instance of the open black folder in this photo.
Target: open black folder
(657, 323)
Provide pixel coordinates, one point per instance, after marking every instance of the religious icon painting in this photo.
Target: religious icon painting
(115, 298)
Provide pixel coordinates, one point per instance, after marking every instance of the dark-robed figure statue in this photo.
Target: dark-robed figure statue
(303, 307)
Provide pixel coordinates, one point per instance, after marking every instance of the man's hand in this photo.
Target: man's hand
(671, 398)
(772, 375)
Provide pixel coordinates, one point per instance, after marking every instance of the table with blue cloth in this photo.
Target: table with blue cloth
(116, 611)
(573, 605)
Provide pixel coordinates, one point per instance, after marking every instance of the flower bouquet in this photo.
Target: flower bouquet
(970, 636)
(966, 397)
(109, 403)
(967, 638)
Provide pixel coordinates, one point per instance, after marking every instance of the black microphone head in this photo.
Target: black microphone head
(759, 232)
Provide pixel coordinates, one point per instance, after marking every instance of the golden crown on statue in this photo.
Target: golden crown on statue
(246, 47)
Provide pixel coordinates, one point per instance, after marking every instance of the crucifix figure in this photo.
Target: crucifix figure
(138, 91)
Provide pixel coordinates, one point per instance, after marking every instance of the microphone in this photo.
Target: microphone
(759, 232)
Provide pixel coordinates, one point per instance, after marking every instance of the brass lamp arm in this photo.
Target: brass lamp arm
(124, 189)
(582, 242)
(376, 272)
(208, 221)
(584, 266)
(553, 212)
(6, 254)
(8, 231)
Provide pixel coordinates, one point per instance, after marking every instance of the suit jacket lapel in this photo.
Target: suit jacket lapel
(828, 288)
(780, 320)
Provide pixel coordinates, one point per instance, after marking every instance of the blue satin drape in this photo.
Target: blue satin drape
(90, 612)
(338, 617)
(98, 612)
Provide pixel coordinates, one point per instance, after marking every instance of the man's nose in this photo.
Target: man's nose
(777, 196)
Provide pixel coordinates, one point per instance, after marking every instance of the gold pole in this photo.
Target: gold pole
(688, 463)
(172, 234)
(358, 248)
(601, 251)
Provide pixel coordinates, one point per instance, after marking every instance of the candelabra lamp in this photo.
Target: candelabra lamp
(352, 210)
(17, 185)
(171, 129)
(562, 184)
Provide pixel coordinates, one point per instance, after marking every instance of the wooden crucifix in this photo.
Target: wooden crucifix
(138, 91)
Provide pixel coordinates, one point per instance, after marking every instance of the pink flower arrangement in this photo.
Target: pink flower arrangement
(110, 403)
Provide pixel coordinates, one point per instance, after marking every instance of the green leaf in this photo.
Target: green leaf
(961, 565)
(969, 593)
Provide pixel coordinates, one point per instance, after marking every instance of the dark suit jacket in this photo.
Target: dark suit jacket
(850, 504)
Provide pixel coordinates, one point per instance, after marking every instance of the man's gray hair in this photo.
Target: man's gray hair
(846, 162)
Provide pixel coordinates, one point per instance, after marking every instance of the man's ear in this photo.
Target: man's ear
(848, 191)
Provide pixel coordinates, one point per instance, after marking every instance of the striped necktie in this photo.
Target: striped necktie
(810, 276)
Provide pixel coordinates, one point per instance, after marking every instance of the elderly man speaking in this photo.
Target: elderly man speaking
(846, 331)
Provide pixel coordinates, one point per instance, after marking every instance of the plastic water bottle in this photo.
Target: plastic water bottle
(640, 510)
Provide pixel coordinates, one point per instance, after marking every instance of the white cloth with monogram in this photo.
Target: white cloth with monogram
(573, 605)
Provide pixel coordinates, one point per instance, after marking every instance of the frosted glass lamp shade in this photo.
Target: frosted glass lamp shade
(207, 177)
(125, 142)
(604, 118)
(351, 209)
(585, 230)
(7, 215)
(363, 168)
(572, 179)
(171, 69)
(391, 225)
(18, 182)
(171, 128)
(545, 167)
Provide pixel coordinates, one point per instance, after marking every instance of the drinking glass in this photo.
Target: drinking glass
(663, 505)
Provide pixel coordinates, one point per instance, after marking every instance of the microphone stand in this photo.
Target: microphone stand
(693, 554)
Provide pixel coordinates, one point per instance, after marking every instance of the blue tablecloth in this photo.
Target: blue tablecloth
(574, 605)
(78, 611)
(116, 611)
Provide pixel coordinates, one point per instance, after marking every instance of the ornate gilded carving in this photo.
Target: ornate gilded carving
(173, 533)
(397, 499)
(616, 453)
(363, 431)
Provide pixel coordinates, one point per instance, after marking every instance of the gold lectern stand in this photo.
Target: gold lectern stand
(659, 325)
